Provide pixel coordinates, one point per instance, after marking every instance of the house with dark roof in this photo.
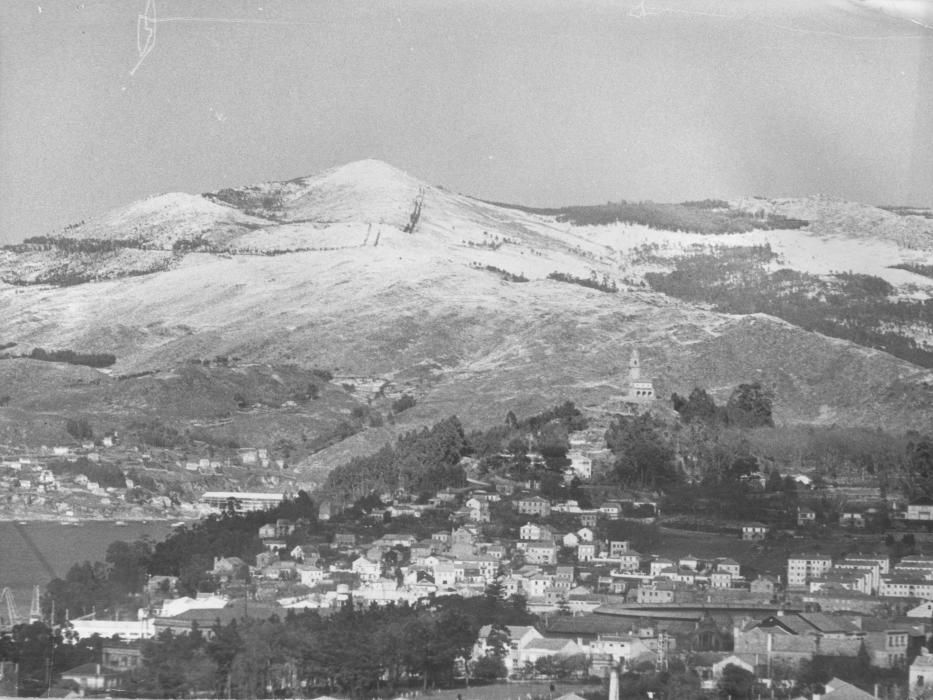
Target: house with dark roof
(206, 619)
(230, 569)
(794, 637)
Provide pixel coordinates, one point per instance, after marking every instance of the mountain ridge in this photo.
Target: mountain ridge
(326, 271)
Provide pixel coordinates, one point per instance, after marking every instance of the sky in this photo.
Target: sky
(538, 102)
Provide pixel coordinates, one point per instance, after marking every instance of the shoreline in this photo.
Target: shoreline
(135, 519)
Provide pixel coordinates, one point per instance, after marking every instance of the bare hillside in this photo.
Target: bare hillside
(365, 271)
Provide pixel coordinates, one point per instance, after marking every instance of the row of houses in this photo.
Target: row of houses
(867, 574)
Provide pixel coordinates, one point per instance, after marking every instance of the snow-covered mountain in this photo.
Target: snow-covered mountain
(365, 270)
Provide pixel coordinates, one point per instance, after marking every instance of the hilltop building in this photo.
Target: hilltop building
(638, 388)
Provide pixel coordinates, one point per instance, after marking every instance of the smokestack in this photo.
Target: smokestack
(614, 684)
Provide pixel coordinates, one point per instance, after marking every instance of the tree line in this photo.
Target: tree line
(354, 650)
(420, 461)
(90, 359)
(706, 216)
(856, 307)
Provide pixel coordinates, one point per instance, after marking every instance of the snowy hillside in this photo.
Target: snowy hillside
(366, 270)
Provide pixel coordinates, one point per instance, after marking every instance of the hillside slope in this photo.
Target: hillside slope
(364, 270)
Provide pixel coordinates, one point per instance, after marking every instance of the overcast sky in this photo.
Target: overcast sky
(541, 102)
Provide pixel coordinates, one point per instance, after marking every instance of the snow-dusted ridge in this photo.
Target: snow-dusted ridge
(325, 271)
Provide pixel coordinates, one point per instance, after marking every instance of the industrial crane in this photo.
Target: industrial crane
(12, 616)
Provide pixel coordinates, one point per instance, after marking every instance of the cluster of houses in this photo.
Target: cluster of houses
(29, 484)
(860, 577)
(50, 480)
(602, 602)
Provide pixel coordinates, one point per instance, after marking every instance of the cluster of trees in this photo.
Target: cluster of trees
(917, 268)
(186, 245)
(80, 245)
(593, 282)
(504, 274)
(91, 359)
(42, 654)
(356, 651)
(506, 447)
(65, 276)
(100, 586)
(403, 403)
(854, 307)
(700, 464)
(248, 198)
(79, 428)
(707, 217)
(156, 433)
(918, 476)
(644, 457)
(749, 406)
(424, 461)
(104, 473)
(189, 551)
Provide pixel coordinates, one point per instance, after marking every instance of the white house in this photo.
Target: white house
(581, 465)
(754, 531)
(619, 647)
(546, 646)
(310, 575)
(518, 638)
(658, 565)
(586, 551)
(629, 561)
(366, 569)
(924, 610)
(921, 509)
(920, 675)
(729, 566)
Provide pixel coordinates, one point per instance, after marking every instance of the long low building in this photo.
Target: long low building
(127, 630)
(242, 500)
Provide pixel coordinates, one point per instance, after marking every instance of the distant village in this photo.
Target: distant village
(83, 482)
(596, 596)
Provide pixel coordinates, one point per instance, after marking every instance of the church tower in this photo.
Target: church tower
(639, 390)
(634, 367)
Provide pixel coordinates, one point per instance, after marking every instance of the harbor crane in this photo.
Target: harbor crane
(12, 616)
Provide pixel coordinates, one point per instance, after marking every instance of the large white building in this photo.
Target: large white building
(802, 567)
(242, 500)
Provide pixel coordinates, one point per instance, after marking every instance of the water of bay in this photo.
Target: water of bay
(35, 552)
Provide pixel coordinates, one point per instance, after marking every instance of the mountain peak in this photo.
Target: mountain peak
(367, 171)
(363, 190)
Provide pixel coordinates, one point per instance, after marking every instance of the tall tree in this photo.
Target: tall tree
(750, 406)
